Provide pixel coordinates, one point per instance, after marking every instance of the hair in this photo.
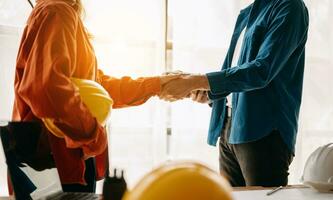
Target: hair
(78, 6)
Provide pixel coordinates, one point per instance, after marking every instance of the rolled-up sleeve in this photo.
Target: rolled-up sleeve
(127, 92)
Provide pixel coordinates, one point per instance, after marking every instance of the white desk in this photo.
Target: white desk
(289, 193)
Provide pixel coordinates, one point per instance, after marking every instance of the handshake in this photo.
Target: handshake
(179, 85)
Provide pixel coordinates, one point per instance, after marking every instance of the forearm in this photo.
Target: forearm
(201, 82)
(197, 82)
(127, 92)
(249, 76)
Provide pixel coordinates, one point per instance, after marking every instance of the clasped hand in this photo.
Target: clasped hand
(179, 85)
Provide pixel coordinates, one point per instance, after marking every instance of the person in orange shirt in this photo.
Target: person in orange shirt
(55, 47)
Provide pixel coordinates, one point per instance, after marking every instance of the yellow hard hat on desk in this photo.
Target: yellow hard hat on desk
(94, 96)
(181, 181)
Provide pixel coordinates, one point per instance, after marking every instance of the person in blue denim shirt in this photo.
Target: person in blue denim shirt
(258, 136)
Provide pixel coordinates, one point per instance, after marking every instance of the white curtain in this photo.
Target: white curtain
(129, 40)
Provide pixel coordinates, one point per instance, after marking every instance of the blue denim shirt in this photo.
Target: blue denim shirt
(267, 82)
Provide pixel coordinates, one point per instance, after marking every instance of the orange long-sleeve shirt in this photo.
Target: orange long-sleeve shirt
(55, 47)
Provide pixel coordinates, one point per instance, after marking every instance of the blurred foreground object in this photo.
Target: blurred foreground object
(180, 181)
(318, 170)
(114, 187)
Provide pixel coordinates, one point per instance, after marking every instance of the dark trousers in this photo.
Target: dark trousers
(90, 177)
(264, 162)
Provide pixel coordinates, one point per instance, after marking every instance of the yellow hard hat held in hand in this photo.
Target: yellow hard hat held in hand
(94, 96)
(181, 181)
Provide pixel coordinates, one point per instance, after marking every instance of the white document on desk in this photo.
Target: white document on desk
(284, 194)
